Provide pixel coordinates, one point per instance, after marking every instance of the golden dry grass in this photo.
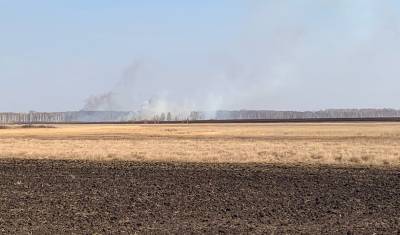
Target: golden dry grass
(338, 143)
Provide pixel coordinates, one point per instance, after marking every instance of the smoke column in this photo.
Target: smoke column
(294, 55)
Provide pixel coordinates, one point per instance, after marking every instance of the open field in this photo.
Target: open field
(203, 178)
(324, 143)
(78, 197)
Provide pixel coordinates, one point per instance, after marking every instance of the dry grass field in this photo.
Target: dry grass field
(331, 143)
(333, 178)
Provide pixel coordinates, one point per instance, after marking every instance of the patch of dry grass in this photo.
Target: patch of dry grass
(25, 126)
(36, 126)
(345, 143)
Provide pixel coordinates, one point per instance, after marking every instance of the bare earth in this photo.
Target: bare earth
(64, 197)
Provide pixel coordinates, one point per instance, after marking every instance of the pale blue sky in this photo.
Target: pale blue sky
(237, 54)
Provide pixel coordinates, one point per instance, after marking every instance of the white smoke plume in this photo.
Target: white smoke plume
(286, 55)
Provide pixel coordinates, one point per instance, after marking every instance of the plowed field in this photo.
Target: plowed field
(47, 197)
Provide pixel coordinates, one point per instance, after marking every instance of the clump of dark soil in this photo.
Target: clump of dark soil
(49, 197)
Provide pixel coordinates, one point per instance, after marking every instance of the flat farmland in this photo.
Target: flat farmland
(203, 178)
(375, 144)
(88, 197)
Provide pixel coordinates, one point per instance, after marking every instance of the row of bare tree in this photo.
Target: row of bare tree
(330, 113)
(115, 116)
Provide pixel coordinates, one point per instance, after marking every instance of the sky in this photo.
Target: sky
(199, 55)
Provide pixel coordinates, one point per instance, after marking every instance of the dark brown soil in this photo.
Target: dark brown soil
(47, 197)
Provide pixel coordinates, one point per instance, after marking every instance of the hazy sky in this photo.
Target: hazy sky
(210, 54)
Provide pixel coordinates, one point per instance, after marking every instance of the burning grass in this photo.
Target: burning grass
(339, 144)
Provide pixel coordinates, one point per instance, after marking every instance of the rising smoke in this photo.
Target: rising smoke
(286, 55)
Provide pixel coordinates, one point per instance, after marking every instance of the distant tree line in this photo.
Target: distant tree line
(115, 116)
(329, 113)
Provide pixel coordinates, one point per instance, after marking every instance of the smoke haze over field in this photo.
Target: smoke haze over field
(180, 56)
